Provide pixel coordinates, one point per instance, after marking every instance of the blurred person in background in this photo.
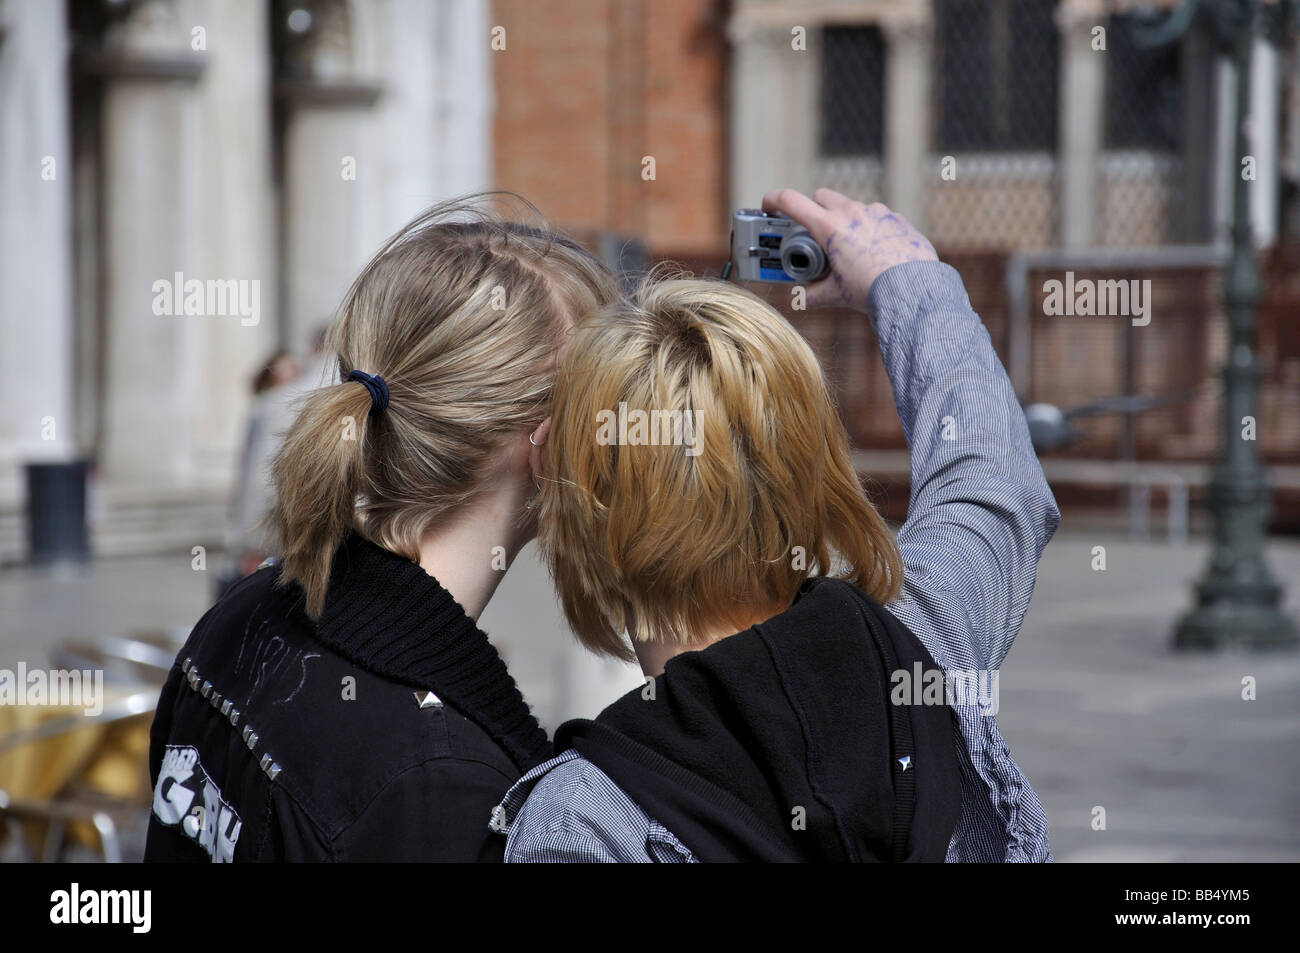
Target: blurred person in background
(769, 729)
(251, 498)
(342, 704)
(277, 388)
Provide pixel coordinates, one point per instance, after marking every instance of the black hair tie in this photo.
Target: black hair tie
(376, 385)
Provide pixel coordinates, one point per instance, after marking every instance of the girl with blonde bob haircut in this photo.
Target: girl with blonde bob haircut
(343, 703)
(672, 546)
(720, 528)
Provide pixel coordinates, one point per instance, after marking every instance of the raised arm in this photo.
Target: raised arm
(981, 511)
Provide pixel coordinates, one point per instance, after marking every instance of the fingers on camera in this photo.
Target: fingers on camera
(801, 208)
(830, 199)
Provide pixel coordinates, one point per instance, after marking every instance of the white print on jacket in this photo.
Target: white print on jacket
(213, 823)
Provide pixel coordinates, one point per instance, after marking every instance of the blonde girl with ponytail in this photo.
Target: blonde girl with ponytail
(343, 703)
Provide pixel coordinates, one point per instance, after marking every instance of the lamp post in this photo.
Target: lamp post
(1237, 599)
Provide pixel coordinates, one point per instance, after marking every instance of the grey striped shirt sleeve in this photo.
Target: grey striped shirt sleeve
(979, 517)
(980, 511)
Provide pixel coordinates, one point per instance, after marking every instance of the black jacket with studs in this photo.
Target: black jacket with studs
(385, 731)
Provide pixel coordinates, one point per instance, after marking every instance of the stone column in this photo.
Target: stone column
(237, 236)
(774, 109)
(464, 61)
(36, 279)
(909, 171)
(407, 117)
(1082, 100)
(434, 118)
(150, 202)
(330, 174)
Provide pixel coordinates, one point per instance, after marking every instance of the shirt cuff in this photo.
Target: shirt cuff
(901, 290)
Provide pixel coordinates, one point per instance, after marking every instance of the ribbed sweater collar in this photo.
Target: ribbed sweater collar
(386, 614)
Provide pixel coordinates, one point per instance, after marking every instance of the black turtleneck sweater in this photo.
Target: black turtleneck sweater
(277, 738)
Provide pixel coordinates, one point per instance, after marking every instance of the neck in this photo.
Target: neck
(653, 656)
(470, 552)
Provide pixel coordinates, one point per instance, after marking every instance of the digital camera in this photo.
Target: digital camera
(769, 246)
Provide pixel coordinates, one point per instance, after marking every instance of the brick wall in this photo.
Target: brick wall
(586, 88)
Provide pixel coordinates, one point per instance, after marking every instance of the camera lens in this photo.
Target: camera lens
(802, 258)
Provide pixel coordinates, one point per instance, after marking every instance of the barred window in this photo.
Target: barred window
(998, 64)
(852, 91)
(1142, 91)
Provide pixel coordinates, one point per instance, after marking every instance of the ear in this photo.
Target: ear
(537, 452)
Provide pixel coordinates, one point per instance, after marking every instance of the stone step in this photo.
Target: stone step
(132, 528)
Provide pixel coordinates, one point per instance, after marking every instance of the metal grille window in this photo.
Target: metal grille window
(994, 111)
(1140, 183)
(1142, 91)
(851, 137)
(998, 64)
(852, 84)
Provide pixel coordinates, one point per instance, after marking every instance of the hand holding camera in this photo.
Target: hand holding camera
(830, 235)
(770, 246)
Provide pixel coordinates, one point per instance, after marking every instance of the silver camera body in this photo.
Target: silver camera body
(773, 247)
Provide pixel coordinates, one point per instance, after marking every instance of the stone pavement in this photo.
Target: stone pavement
(1099, 712)
(1096, 708)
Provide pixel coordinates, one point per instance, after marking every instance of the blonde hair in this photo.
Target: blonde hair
(462, 314)
(669, 542)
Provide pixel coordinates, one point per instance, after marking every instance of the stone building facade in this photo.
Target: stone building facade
(253, 152)
(271, 145)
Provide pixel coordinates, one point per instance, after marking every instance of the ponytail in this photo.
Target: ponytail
(321, 462)
(460, 316)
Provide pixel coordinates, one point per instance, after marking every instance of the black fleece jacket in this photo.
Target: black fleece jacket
(782, 742)
(280, 739)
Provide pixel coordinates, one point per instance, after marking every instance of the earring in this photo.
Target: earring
(533, 502)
